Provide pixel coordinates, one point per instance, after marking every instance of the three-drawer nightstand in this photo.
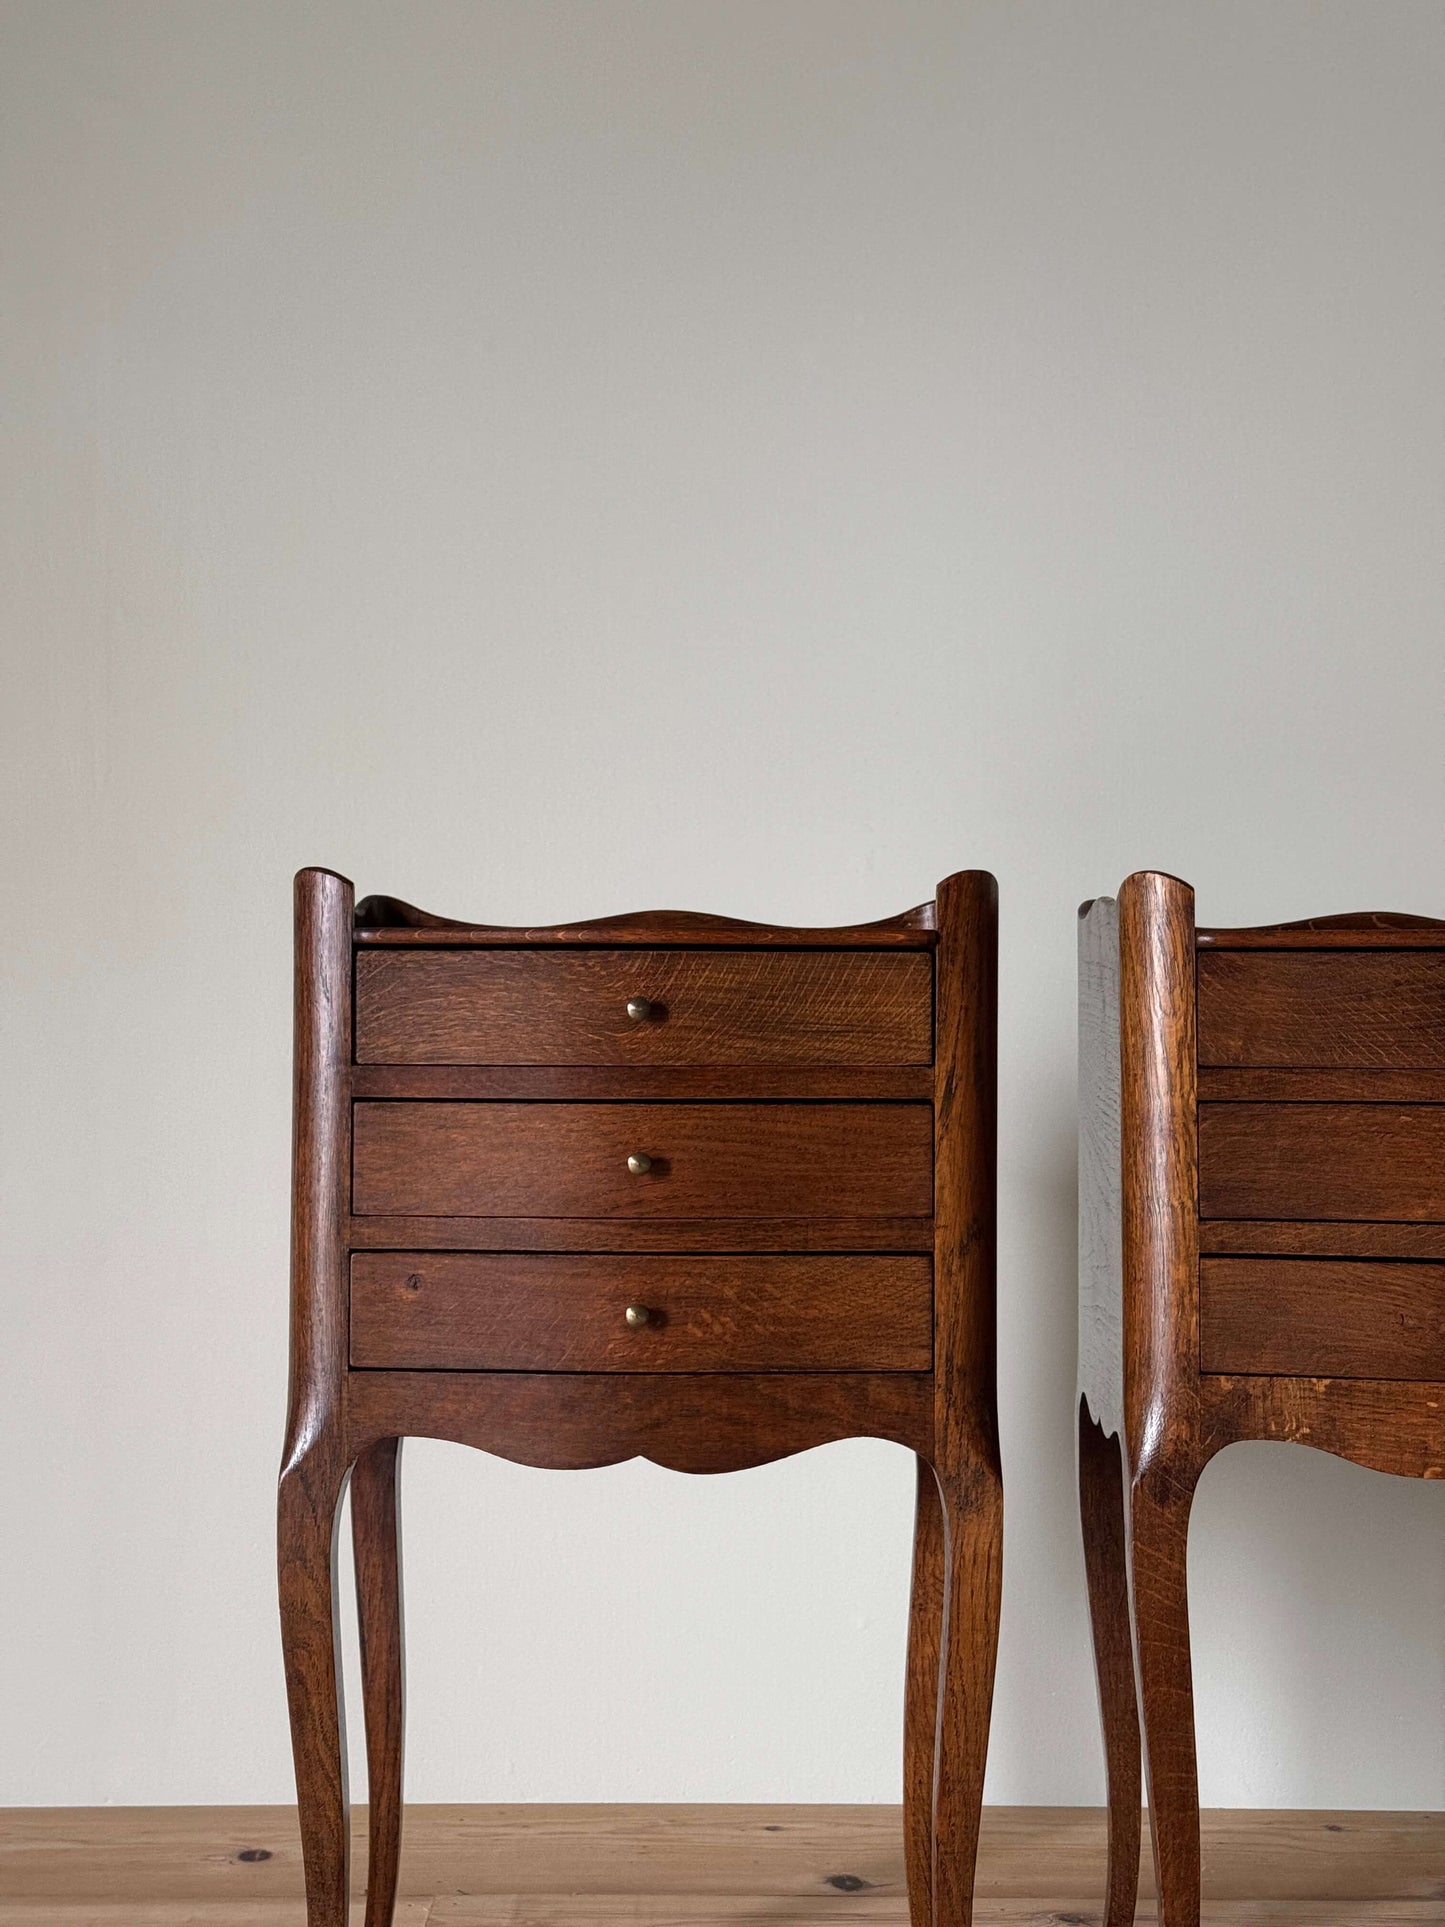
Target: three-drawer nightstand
(1262, 1256)
(671, 1186)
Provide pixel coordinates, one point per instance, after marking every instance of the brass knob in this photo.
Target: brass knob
(638, 1316)
(639, 1164)
(639, 1009)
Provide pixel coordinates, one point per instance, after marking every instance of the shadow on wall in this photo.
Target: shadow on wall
(1317, 1590)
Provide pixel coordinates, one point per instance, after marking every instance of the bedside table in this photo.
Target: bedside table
(672, 1187)
(1262, 1256)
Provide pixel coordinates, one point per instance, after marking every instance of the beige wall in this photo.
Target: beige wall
(547, 459)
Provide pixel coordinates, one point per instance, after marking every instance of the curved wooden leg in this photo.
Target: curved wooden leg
(376, 1544)
(1101, 1513)
(1158, 1542)
(972, 1504)
(308, 1503)
(920, 1701)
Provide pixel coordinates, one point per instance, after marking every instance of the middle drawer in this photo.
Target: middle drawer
(640, 1161)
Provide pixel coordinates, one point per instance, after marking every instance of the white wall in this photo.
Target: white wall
(757, 455)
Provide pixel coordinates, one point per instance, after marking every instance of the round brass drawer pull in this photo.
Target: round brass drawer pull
(639, 1009)
(637, 1316)
(639, 1164)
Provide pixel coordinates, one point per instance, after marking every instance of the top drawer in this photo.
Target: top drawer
(1323, 1008)
(687, 1007)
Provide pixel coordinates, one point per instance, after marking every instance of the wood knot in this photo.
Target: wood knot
(254, 1853)
(847, 1883)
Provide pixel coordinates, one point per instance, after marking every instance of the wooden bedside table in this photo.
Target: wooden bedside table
(672, 1187)
(1262, 1256)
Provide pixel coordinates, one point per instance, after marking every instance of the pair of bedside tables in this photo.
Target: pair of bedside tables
(711, 1193)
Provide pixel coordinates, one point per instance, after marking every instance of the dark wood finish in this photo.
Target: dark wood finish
(1160, 1215)
(664, 1234)
(1357, 930)
(657, 1083)
(965, 1458)
(1361, 1161)
(1251, 1238)
(386, 920)
(920, 1715)
(316, 1460)
(1352, 1085)
(1388, 1425)
(376, 1542)
(816, 1231)
(546, 1312)
(708, 1160)
(1322, 1318)
(686, 1421)
(1305, 1101)
(543, 1006)
(1383, 1009)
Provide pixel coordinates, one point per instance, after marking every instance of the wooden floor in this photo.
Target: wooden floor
(707, 1866)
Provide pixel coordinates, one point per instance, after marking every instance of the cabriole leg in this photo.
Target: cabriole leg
(972, 1501)
(376, 1543)
(1101, 1513)
(1158, 1540)
(308, 1504)
(920, 1706)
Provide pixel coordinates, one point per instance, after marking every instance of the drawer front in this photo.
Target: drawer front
(1326, 1009)
(1361, 1161)
(1320, 1318)
(702, 1007)
(509, 1312)
(703, 1160)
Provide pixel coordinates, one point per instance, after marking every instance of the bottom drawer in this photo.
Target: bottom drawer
(1322, 1318)
(549, 1312)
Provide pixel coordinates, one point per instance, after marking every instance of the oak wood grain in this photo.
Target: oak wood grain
(545, 1312)
(1322, 1318)
(1286, 1238)
(661, 1083)
(315, 1459)
(1101, 1255)
(392, 1233)
(926, 1597)
(1293, 1085)
(1387, 1424)
(688, 1421)
(965, 1457)
(708, 1160)
(1378, 1008)
(540, 1006)
(1160, 1217)
(376, 1539)
(382, 921)
(1355, 930)
(1316, 1161)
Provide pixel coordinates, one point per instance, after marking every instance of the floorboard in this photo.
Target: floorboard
(696, 1866)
